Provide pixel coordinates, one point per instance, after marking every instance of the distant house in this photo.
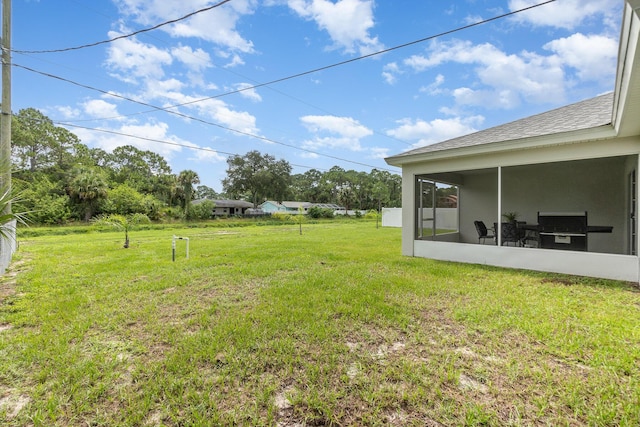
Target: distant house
(296, 207)
(228, 207)
(271, 206)
(448, 201)
(336, 208)
(570, 173)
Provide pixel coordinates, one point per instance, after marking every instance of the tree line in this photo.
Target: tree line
(59, 179)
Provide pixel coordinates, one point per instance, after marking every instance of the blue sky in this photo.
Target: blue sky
(352, 115)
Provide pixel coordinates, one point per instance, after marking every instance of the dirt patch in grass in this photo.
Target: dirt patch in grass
(318, 337)
(8, 279)
(12, 402)
(507, 376)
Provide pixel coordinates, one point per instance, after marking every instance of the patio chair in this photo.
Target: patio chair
(528, 235)
(483, 232)
(508, 233)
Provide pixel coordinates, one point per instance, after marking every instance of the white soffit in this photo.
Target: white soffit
(626, 109)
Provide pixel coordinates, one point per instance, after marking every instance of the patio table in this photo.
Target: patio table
(533, 232)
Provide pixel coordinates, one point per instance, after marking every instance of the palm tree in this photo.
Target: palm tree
(88, 187)
(187, 179)
(8, 218)
(7, 229)
(125, 223)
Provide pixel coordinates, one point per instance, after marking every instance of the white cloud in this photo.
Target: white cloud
(222, 114)
(100, 108)
(566, 14)
(505, 98)
(345, 126)
(379, 152)
(217, 25)
(344, 132)
(67, 111)
(161, 89)
(593, 56)
(307, 155)
(390, 71)
(216, 109)
(196, 60)
(472, 19)
(207, 155)
(434, 88)
(154, 134)
(251, 94)
(235, 61)
(420, 132)
(348, 22)
(507, 79)
(154, 131)
(238, 120)
(134, 60)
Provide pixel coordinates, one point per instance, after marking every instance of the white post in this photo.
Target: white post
(635, 209)
(498, 232)
(173, 246)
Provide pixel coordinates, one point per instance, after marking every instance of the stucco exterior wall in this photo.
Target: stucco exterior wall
(597, 186)
(591, 176)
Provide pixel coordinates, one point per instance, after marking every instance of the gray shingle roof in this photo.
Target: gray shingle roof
(227, 203)
(579, 116)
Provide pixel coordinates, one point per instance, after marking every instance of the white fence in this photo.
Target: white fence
(446, 218)
(392, 217)
(8, 245)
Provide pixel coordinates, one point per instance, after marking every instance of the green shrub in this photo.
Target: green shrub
(281, 216)
(152, 207)
(172, 213)
(50, 210)
(43, 201)
(201, 211)
(318, 212)
(314, 212)
(371, 214)
(124, 200)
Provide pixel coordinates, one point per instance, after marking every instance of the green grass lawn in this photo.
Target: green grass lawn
(264, 326)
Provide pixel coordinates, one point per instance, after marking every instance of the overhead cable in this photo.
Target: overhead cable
(169, 109)
(348, 61)
(290, 77)
(240, 132)
(160, 141)
(370, 55)
(124, 36)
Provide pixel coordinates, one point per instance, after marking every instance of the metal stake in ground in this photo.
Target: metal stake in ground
(173, 246)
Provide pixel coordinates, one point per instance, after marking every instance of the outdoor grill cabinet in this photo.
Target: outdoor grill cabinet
(563, 230)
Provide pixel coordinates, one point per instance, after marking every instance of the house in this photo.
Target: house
(296, 207)
(287, 207)
(580, 162)
(228, 207)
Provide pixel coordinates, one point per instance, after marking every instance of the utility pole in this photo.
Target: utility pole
(8, 244)
(5, 114)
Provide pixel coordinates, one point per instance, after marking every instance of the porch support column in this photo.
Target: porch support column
(498, 232)
(636, 213)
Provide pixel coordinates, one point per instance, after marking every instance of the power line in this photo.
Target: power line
(315, 70)
(169, 110)
(370, 55)
(124, 36)
(160, 141)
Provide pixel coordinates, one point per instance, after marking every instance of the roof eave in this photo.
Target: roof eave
(626, 106)
(595, 133)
